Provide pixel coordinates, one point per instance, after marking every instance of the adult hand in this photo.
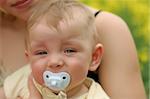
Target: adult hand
(33, 92)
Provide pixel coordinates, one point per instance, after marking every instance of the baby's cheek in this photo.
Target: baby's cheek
(37, 72)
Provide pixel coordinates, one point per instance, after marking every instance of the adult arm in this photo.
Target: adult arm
(119, 73)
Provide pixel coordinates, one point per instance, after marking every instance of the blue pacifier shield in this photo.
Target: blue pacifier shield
(56, 81)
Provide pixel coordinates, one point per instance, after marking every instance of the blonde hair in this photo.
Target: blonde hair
(69, 11)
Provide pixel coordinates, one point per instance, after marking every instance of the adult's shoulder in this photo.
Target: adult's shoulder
(109, 21)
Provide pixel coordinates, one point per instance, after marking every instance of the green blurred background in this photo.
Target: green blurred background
(136, 14)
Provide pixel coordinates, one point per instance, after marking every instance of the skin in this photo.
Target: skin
(119, 68)
(12, 7)
(121, 72)
(69, 52)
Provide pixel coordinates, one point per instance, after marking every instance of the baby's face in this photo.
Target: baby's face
(59, 51)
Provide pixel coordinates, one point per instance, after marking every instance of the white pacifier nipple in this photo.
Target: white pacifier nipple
(56, 81)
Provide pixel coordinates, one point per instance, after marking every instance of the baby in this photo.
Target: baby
(62, 46)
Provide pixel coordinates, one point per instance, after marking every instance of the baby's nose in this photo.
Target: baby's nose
(55, 62)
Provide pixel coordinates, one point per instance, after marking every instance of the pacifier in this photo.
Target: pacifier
(56, 81)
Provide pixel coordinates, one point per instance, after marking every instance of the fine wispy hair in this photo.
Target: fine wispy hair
(70, 12)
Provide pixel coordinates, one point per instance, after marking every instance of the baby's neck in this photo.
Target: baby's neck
(77, 91)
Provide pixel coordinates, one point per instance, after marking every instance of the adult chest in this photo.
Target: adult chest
(12, 47)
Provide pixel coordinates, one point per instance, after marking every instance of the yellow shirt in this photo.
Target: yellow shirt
(95, 91)
(15, 86)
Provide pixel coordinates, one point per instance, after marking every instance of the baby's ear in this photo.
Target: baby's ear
(27, 55)
(96, 57)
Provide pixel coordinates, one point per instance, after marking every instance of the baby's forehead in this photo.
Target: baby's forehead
(45, 33)
(67, 28)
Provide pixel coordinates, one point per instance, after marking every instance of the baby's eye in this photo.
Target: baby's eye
(69, 50)
(41, 53)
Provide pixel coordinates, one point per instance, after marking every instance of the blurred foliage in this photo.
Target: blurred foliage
(136, 14)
